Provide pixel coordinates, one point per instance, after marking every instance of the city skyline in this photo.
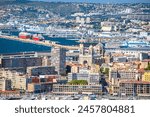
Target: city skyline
(74, 51)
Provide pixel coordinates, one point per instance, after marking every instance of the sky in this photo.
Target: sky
(101, 1)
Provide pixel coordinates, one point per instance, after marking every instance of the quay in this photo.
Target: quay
(44, 43)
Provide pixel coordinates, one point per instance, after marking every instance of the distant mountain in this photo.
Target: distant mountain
(12, 0)
(6, 2)
(58, 8)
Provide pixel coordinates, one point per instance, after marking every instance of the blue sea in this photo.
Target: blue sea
(9, 46)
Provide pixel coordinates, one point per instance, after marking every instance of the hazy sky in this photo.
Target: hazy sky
(103, 1)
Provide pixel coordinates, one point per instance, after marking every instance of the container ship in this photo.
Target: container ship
(24, 35)
(37, 37)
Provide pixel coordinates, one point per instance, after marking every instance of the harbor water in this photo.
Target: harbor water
(9, 46)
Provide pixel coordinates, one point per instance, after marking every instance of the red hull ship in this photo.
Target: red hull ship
(24, 35)
(37, 37)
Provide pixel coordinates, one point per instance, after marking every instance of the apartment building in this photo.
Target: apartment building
(5, 84)
(18, 80)
(58, 59)
(41, 70)
(146, 76)
(134, 87)
(43, 83)
(21, 62)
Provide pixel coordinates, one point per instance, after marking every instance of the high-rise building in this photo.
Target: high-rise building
(58, 59)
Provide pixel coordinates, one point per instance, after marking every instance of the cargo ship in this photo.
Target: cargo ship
(24, 35)
(37, 37)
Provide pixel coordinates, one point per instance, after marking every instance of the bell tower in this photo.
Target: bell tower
(86, 55)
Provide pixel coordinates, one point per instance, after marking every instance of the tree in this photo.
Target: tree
(101, 69)
(104, 71)
(148, 67)
(78, 82)
(107, 71)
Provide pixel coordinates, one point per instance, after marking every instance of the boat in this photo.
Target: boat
(13, 98)
(24, 35)
(37, 37)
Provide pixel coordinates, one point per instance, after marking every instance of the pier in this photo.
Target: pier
(44, 43)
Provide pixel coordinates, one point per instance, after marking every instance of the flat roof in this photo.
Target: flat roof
(135, 82)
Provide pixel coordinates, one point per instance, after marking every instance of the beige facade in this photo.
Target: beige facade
(5, 84)
(107, 28)
(133, 88)
(146, 76)
(45, 61)
(95, 68)
(86, 57)
(114, 89)
(18, 80)
(75, 69)
(130, 88)
(144, 64)
(123, 74)
(31, 87)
